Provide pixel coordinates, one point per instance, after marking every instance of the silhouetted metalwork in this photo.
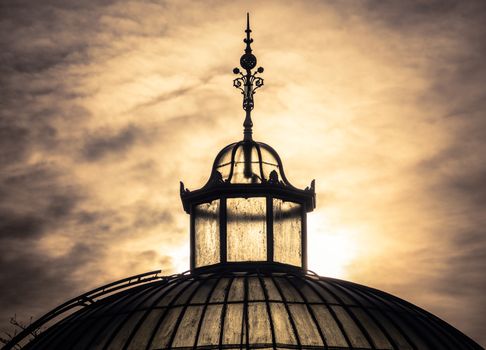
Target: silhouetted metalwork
(248, 82)
(257, 308)
(248, 287)
(85, 300)
(248, 169)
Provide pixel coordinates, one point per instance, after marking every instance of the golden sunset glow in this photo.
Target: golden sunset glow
(106, 107)
(331, 249)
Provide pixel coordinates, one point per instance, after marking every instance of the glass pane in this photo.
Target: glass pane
(352, 331)
(374, 332)
(329, 327)
(211, 326)
(287, 232)
(207, 233)
(169, 297)
(269, 164)
(272, 292)
(281, 323)
(405, 328)
(255, 291)
(258, 324)
(289, 292)
(186, 332)
(124, 332)
(237, 290)
(309, 294)
(202, 293)
(323, 293)
(110, 328)
(187, 293)
(391, 329)
(90, 332)
(246, 229)
(162, 333)
(247, 166)
(306, 327)
(233, 323)
(224, 164)
(220, 291)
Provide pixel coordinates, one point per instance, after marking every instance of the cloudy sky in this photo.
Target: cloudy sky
(106, 105)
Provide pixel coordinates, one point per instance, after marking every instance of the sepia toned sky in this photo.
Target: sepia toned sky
(106, 105)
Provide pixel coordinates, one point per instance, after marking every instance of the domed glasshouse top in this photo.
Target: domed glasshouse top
(248, 286)
(257, 309)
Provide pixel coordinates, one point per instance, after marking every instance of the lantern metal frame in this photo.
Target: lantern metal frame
(275, 186)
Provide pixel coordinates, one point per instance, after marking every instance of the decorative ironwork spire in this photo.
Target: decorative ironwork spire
(248, 82)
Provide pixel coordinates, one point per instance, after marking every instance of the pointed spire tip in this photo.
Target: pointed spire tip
(248, 82)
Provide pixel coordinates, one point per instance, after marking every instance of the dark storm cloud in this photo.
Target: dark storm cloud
(35, 281)
(33, 200)
(54, 235)
(108, 143)
(37, 204)
(163, 98)
(13, 144)
(34, 205)
(14, 226)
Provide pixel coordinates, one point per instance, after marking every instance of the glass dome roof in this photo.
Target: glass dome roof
(248, 162)
(254, 310)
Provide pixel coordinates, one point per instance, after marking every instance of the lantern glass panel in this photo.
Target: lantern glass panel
(269, 164)
(207, 233)
(287, 232)
(246, 166)
(246, 229)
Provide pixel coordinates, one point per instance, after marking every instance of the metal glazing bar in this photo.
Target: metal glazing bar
(311, 312)
(351, 314)
(175, 284)
(331, 311)
(390, 320)
(181, 315)
(434, 321)
(424, 336)
(223, 311)
(244, 325)
(80, 302)
(291, 319)
(154, 290)
(233, 152)
(303, 238)
(138, 300)
(75, 331)
(446, 339)
(365, 310)
(192, 237)
(267, 304)
(260, 161)
(270, 240)
(208, 298)
(223, 246)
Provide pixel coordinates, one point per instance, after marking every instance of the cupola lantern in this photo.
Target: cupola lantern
(248, 212)
(248, 286)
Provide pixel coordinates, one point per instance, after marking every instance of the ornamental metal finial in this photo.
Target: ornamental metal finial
(248, 82)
